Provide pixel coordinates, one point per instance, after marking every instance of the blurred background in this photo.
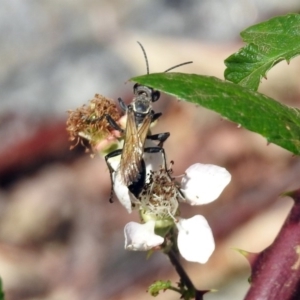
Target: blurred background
(60, 238)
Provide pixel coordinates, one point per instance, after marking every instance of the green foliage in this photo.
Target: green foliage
(278, 123)
(267, 44)
(1, 290)
(161, 285)
(158, 286)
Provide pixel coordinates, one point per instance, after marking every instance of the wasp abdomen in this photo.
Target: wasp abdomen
(138, 184)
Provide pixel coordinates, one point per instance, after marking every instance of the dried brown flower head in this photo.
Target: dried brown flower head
(87, 122)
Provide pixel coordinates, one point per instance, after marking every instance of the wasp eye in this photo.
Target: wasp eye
(155, 96)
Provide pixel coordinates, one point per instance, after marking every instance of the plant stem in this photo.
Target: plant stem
(184, 278)
(276, 272)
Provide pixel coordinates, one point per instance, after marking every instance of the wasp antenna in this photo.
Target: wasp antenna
(185, 63)
(145, 55)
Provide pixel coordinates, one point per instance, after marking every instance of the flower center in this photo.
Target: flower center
(159, 197)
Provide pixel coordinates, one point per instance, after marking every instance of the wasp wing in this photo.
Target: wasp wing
(133, 149)
(143, 130)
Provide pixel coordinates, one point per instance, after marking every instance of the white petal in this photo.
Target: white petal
(120, 189)
(203, 184)
(141, 237)
(195, 239)
(122, 192)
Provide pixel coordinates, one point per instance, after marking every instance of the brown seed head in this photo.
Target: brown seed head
(87, 122)
(160, 195)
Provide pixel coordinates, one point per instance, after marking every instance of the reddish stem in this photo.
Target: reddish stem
(276, 272)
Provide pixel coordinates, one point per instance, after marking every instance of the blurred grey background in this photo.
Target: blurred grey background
(59, 236)
(57, 54)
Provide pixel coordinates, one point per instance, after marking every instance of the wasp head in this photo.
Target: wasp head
(144, 96)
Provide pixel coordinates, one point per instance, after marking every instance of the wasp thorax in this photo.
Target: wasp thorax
(141, 105)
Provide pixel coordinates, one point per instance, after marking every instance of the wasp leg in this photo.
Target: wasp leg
(161, 137)
(155, 116)
(111, 170)
(110, 121)
(113, 123)
(122, 104)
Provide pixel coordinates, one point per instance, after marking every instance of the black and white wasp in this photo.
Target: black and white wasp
(140, 115)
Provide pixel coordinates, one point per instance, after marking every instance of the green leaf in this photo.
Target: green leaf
(159, 285)
(268, 43)
(1, 290)
(278, 123)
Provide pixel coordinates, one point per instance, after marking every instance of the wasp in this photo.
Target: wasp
(140, 115)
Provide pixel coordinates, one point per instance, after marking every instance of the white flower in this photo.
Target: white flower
(203, 184)
(141, 237)
(195, 239)
(158, 207)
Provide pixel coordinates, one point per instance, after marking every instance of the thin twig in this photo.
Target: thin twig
(173, 256)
